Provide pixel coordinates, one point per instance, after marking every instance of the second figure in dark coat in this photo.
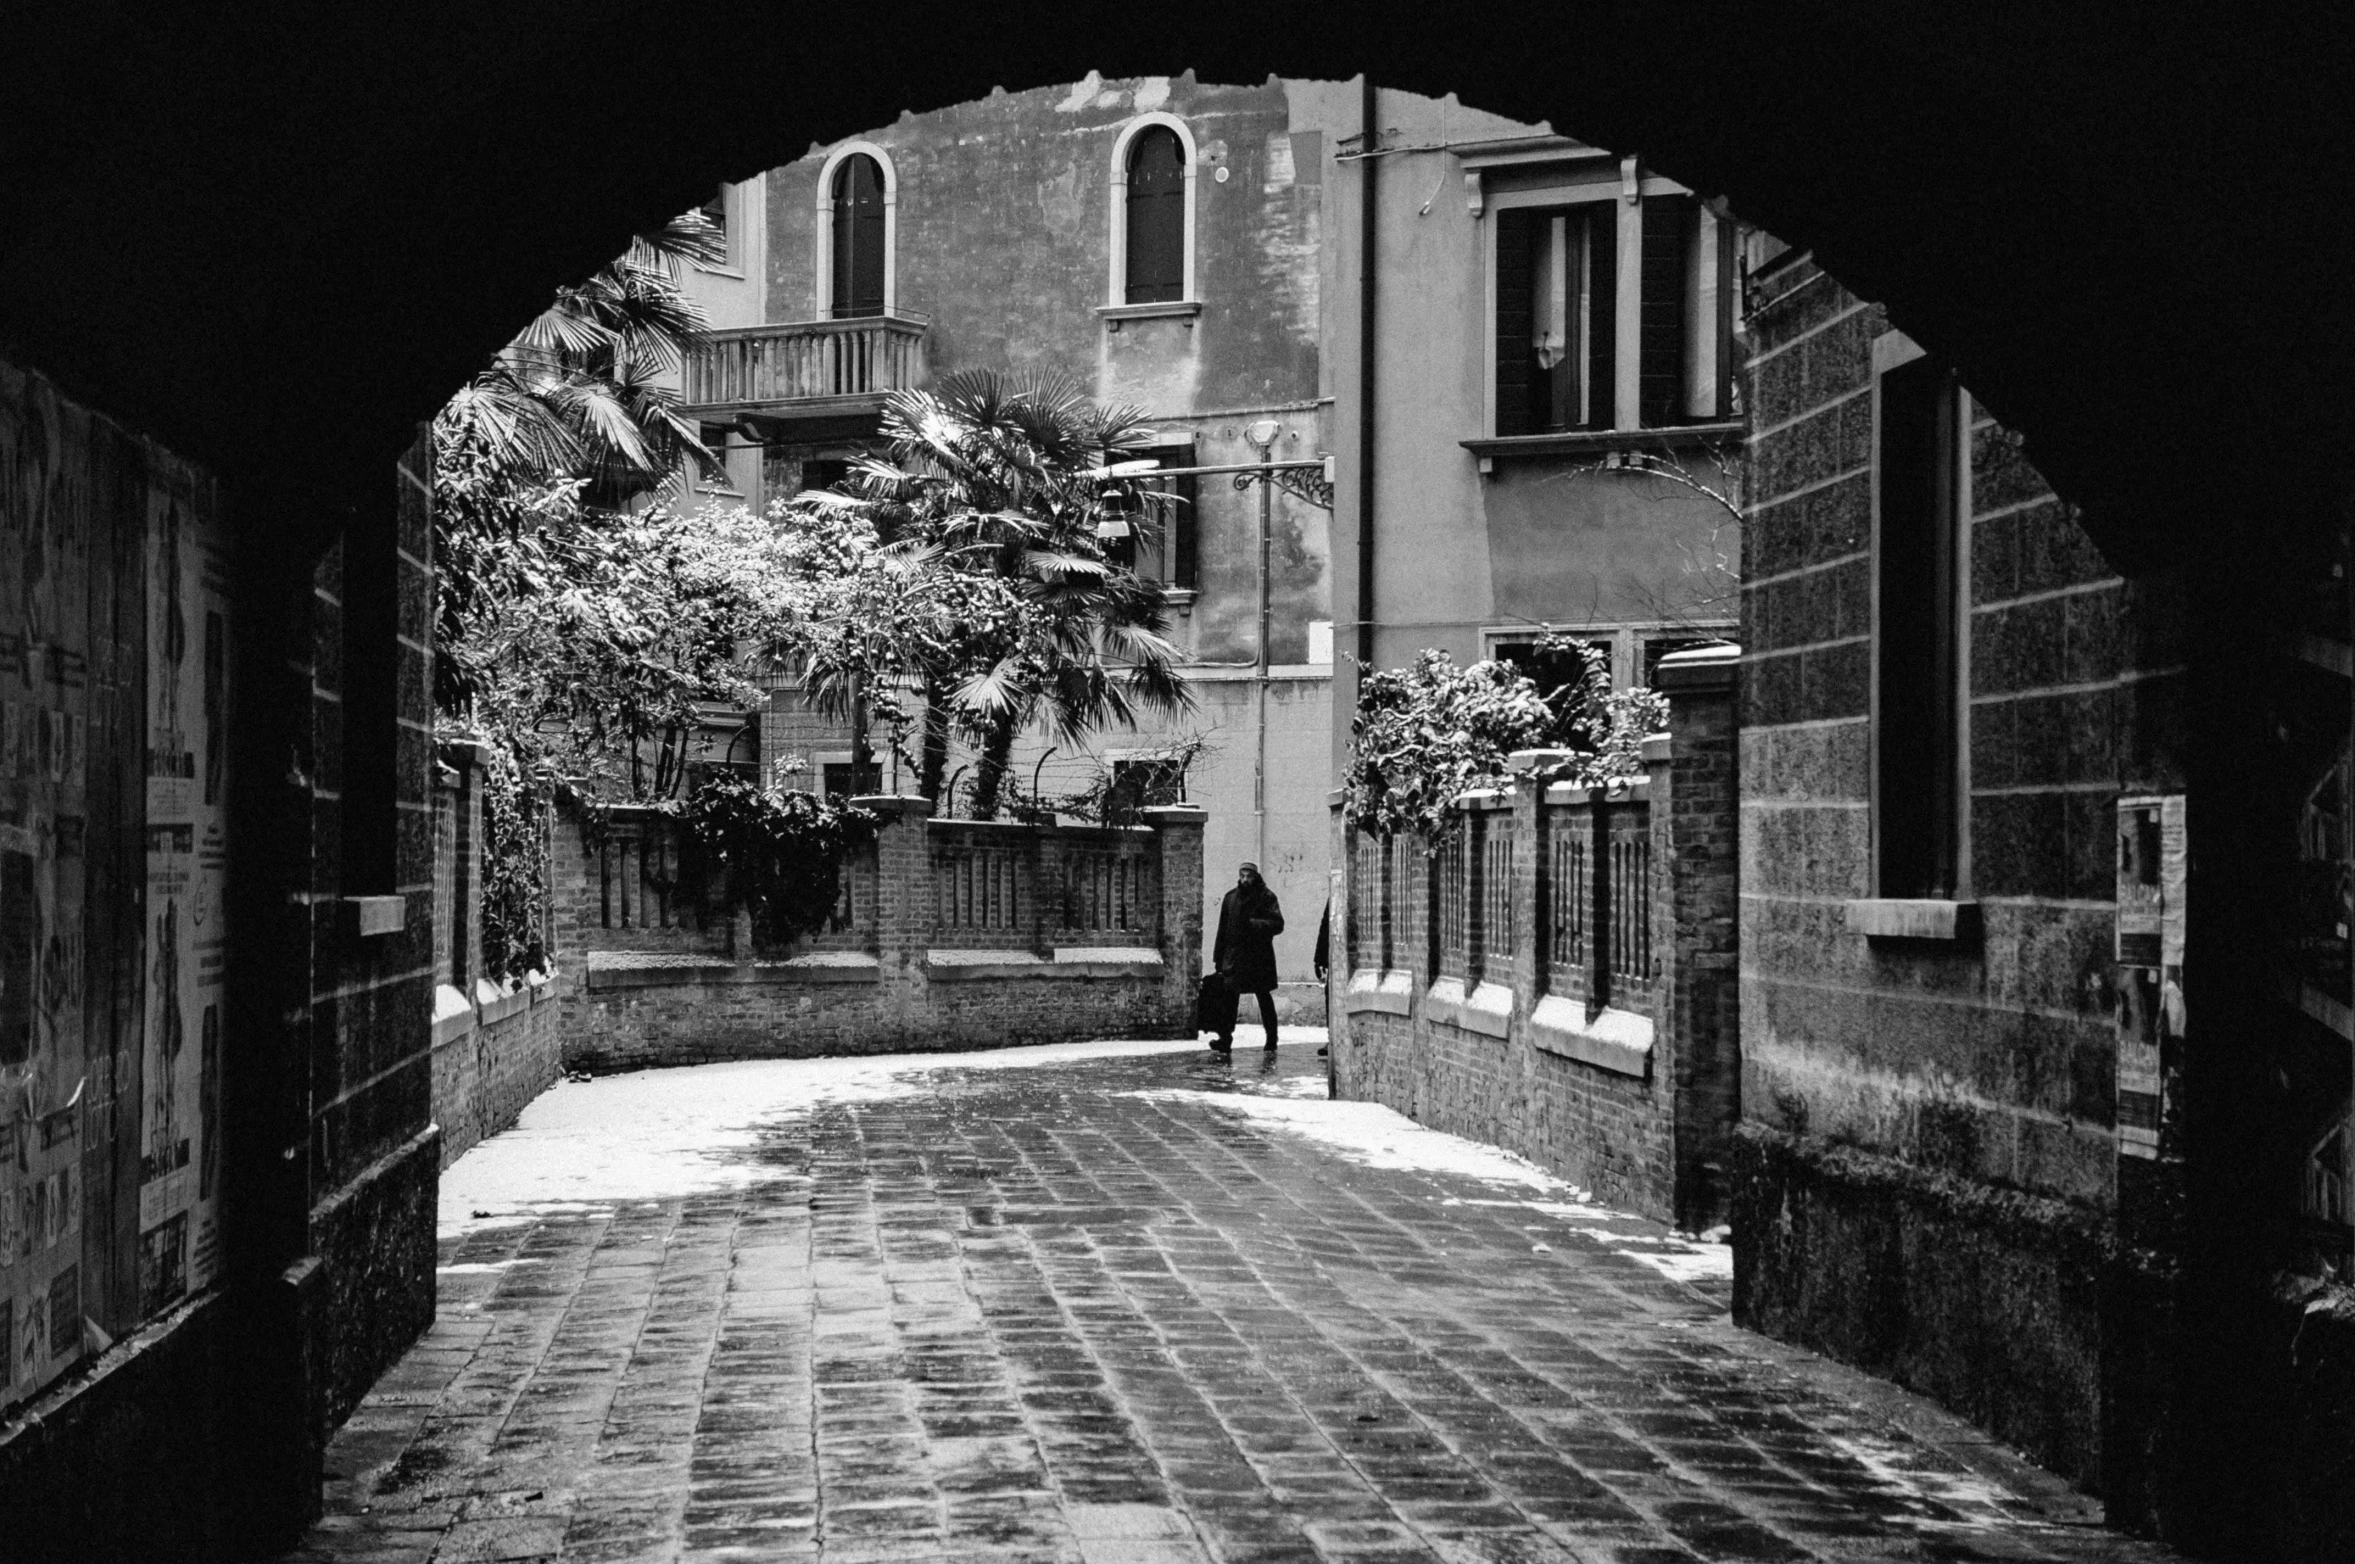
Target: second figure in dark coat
(1245, 952)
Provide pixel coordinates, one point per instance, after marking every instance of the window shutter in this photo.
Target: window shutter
(858, 238)
(1156, 218)
(1183, 548)
(1516, 361)
(1668, 224)
(1602, 326)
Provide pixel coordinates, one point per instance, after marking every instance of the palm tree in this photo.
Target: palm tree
(1002, 605)
(569, 415)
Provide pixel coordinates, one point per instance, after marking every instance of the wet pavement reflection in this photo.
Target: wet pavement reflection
(1134, 1310)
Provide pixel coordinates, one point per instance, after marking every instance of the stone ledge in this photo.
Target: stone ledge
(1616, 1040)
(1487, 1008)
(1883, 917)
(1373, 990)
(1066, 961)
(454, 1015)
(618, 969)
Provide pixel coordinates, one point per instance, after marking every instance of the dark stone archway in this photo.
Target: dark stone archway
(275, 237)
(278, 235)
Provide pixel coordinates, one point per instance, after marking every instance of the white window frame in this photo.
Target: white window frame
(822, 267)
(1116, 289)
(1630, 186)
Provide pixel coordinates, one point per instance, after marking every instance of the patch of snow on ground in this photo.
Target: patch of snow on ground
(1374, 1136)
(1924, 1476)
(585, 1146)
(1377, 1137)
(1686, 1260)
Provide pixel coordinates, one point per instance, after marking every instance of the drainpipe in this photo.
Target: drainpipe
(1367, 231)
(1263, 435)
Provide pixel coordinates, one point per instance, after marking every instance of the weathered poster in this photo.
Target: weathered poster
(45, 525)
(187, 862)
(2152, 858)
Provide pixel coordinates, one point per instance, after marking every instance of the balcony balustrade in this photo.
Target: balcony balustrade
(806, 368)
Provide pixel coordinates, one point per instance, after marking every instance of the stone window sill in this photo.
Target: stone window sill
(1882, 917)
(1619, 1041)
(1070, 961)
(377, 914)
(1374, 990)
(617, 969)
(1176, 309)
(1487, 1008)
(1598, 442)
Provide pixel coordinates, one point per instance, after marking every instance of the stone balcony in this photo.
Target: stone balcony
(807, 378)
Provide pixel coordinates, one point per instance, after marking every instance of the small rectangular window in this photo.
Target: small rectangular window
(370, 698)
(1164, 536)
(844, 779)
(715, 438)
(715, 212)
(1553, 670)
(1918, 625)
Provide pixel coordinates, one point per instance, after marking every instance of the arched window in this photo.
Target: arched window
(1156, 217)
(861, 237)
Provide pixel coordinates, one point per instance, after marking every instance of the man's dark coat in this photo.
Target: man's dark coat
(1245, 952)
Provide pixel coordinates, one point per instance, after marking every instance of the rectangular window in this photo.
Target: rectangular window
(1552, 670)
(840, 779)
(1142, 784)
(715, 438)
(370, 814)
(1588, 287)
(1556, 318)
(1164, 537)
(1918, 624)
(715, 212)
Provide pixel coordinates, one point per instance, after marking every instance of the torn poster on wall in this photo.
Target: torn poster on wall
(187, 865)
(113, 642)
(44, 784)
(2152, 857)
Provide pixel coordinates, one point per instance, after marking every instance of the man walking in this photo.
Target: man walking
(1245, 952)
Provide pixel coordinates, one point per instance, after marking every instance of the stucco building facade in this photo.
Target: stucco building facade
(1548, 317)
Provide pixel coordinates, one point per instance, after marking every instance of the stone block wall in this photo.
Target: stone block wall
(1928, 1168)
(959, 937)
(1621, 1081)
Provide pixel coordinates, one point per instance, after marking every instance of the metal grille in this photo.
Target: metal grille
(1566, 915)
(1497, 934)
(638, 878)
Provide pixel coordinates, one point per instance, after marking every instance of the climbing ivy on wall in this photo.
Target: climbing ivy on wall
(774, 854)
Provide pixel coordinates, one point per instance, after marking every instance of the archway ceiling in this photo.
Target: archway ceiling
(276, 235)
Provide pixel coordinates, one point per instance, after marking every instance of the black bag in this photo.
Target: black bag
(1214, 1005)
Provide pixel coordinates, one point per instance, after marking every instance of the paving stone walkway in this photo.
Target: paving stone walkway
(1092, 1312)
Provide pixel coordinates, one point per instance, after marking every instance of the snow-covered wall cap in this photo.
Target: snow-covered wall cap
(1701, 668)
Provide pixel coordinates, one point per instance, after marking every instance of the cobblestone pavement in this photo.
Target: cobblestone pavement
(1028, 1314)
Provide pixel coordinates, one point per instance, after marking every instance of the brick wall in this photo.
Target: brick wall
(960, 936)
(1514, 1043)
(495, 1043)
